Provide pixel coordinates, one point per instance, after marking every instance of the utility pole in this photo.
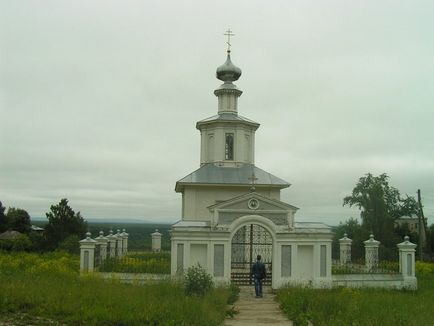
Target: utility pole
(422, 235)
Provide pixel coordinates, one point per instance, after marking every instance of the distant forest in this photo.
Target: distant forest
(139, 233)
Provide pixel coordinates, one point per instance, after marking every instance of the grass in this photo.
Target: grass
(345, 306)
(48, 287)
(145, 262)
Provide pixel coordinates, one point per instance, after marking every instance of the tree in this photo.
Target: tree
(380, 205)
(18, 220)
(20, 243)
(3, 219)
(407, 207)
(70, 244)
(62, 223)
(355, 232)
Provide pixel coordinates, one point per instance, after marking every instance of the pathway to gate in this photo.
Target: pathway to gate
(252, 311)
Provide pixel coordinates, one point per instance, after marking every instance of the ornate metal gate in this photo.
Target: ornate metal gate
(248, 242)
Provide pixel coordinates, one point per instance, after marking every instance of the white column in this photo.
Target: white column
(295, 268)
(111, 244)
(407, 264)
(87, 254)
(156, 241)
(119, 243)
(371, 253)
(345, 250)
(124, 242)
(102, 242)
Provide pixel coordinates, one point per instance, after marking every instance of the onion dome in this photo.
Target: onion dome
(228, 72)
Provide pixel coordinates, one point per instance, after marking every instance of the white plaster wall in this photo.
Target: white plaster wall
(199, 255)
(213, 143)
(196, 199)
(305, 263)
(227, 102)
(199, 248)
(88, 265)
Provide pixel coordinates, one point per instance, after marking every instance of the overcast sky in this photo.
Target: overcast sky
(99, 99)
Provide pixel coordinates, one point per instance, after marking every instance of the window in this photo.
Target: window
(229, 147)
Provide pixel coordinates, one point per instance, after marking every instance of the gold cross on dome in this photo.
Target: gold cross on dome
(229, 33)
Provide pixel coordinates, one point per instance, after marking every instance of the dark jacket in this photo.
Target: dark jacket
(258, 270)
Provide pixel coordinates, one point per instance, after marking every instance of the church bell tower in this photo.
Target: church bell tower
(227, 139)
(227, 154)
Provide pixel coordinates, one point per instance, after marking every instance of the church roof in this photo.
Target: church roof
(212, 174)
(226, 117)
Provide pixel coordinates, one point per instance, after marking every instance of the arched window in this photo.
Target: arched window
(229, 147)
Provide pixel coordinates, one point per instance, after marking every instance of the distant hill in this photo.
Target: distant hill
(115, 220)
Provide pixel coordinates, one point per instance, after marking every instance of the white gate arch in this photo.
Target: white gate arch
(249, 236)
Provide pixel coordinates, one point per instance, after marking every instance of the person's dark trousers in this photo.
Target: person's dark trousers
(258, 287)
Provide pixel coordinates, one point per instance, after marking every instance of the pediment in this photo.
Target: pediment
(253, 202)
(225, 213)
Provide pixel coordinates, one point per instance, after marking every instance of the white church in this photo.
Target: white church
(231, 209)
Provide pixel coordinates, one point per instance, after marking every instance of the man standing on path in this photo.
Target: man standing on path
(259, 273)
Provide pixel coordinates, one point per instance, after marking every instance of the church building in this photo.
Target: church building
(232, 212)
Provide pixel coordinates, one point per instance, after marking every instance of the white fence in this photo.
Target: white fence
(94, 251)
(372, 274)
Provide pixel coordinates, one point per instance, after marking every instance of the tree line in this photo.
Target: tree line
(64, 229)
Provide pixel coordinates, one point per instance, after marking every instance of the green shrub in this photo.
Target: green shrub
(38, 241)
(234, 291)
(424, 268)
(20, 243)
(70, 244)
(197, 281)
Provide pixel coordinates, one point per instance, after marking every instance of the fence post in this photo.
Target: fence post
(111, 244)
(156, 241)
(102, 241)
(407, 264)
(87, 254)
(124, 242)
(119, 243)
(345, 250)
(371, 253)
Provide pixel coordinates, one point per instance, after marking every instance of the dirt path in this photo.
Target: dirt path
(252, 311)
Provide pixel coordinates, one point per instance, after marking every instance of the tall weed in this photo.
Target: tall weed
(346, 306)
(50, 286)
(155, 263)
